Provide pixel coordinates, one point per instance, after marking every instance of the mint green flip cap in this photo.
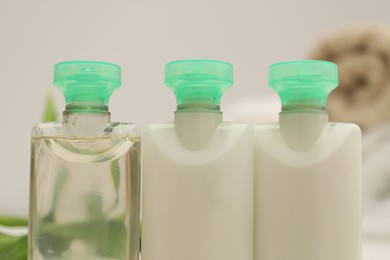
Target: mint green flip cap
(198, 81)
(90, 82)
(306, 82)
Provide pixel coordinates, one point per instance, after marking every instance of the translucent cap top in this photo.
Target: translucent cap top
(198, 81)
(87, 81)
(306, 82)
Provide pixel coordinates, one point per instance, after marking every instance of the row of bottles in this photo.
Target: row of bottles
(211, 190)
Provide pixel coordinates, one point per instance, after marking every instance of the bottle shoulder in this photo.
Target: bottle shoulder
(47, 129)
(163, 139)
(336, 139)
(223, 125)
(225, 130)
(112, 129)
(334, 125)
(331, 131)
(52, 139)
(346, 126)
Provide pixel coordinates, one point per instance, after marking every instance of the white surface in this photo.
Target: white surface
(376, 250)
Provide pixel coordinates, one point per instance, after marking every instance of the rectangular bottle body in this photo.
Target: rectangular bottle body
(308, 203)
(197, 203)
(84, 194)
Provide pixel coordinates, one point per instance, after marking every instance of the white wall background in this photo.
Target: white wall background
(141, 36)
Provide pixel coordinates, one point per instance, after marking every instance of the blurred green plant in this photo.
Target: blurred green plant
(50, 112)
(12, 246)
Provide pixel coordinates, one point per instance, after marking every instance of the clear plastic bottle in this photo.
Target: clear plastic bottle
(307, 172)
(85, 173)
(197, 187)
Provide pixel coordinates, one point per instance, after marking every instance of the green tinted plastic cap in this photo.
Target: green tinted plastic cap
(306, 82)
(89, 82)
(198, 81)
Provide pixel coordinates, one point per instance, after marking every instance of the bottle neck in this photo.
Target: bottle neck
(86, 109)
(85, 120)
(301, 128)
(195, 127)
(197, 107)
(299, 108)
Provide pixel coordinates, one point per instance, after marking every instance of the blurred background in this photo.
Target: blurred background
(141, 36)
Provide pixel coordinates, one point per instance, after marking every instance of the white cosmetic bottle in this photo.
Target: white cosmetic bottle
(307, 172)
(197, 173)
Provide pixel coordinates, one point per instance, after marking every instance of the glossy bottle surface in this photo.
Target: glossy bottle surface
(197, 190)
(84, 192)
(307, 189)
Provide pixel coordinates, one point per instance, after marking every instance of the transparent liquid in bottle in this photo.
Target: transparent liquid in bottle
(84, 202)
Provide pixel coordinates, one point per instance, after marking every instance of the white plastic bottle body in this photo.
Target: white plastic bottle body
(197, 203)
(308, 201)
(84, 193)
